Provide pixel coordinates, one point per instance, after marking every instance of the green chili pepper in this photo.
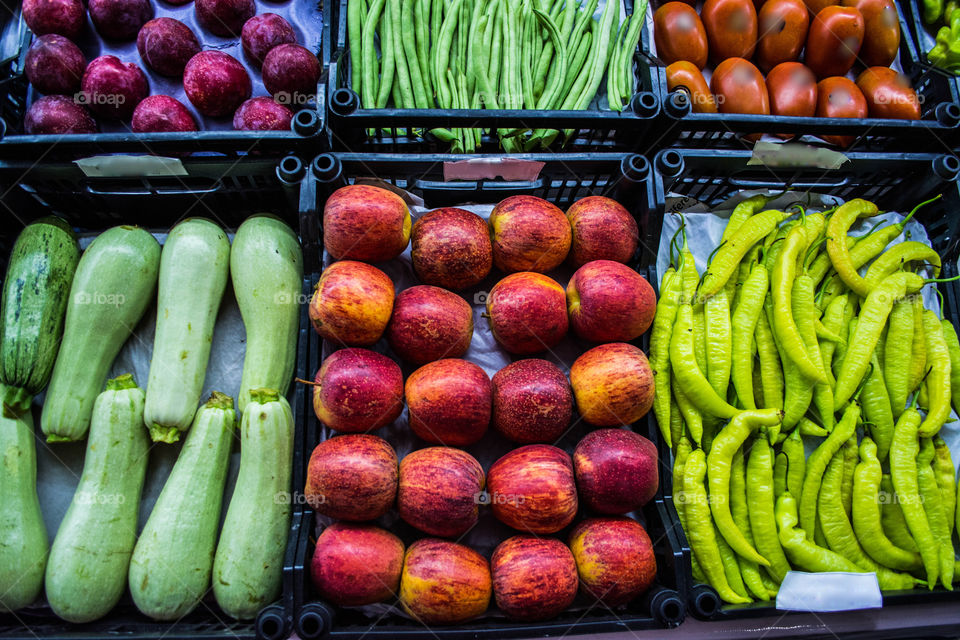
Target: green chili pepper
(891, 516)
(726, 443)
(877, 408)
(898, 256)
(918, 352)
(938, 378)
(730, 253)
(840, 535)
(850, 459)
(785, 327)
(805, 315)
(676, 422)
(932, 505)
(817, 463)
(873, 317)
(700, 531)
(905, 477)
(670, 290)
(750, 571)
(796, 462)
(801, 552)
(770, 371)
(953, 348)
(685, 370)
(746, 315)
(690, 414)
(780, 474)
(731, 566)
(837, 231)
(833, 319)
(716, 311)
(944, 470)
(866, 514)
(760, 499)
(821, 265)
(897, 358)
(807, 427)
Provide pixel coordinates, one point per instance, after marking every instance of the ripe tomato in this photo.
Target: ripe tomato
(679, 34)
(834, 40)
(683, 74)
(839, 97)
(881, 38)
(888, 94)
(783, 30)
(793, 90)
(731, 28)
(739, 87)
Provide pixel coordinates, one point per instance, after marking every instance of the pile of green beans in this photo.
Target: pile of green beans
(492, 54)
(798, 336)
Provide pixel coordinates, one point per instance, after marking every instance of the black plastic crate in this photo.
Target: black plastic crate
(274, 622)
(937, 130)
(635, 129)
(15, 95)
(896, 182)
(624, 177)
(226, 190)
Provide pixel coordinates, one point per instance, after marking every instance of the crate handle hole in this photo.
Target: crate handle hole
(290, 169)
(947, 167)
(325, 167)
(270, 625)
(645, 104)
(678, 105)
(306, 123)
(670, 163)
(635, 167)
(343, 102)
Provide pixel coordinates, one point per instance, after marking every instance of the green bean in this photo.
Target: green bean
(494, 68)
(631, 43)
(404, 50)
(584, 25)
(478, 10)
(598, 60)
(470, 142)
(436, 21)
(526, 61)
(387, 65)
(442, 56)
(463, 36)
(355, 20)
(421, 20)
(613, 78)
(457, 146)
(552, 90)
(369, 84)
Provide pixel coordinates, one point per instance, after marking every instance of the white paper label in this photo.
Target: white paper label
(130, 166)
(829, 592)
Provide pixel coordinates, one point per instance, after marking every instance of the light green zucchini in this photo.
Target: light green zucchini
(87, 571)
(171, 564)
(248, 567)
(23, 536)
(193, 275)
(113, 286)
(266, 267)
(34, 301)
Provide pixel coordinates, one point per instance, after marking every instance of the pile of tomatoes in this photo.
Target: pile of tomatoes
(807, 49)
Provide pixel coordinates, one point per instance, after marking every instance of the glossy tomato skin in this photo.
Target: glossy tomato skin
(783, 28)
(834, 40)
(679, 34)
(881, 37)
(731, 28)
(739, 87)
(685, 74)
(839, 97)
(888, 94)
(816, 6)
(793, 90)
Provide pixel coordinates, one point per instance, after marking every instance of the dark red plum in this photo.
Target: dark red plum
(224, 17)
(119, 19)
(58, 115)
(55, 65)
(162, 113)
(113, 89)
(262, 114)
(166, 45)
(63, 17)
(216, 83)
(264, 32)
(290, 74)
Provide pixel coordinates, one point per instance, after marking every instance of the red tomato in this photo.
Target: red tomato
(686, 75)
(731, 28)
(783, 30)
(834, 40)
(839, 97)
(889, 94)
(881, 39)
(679, 34)
(739, 87)
(793, 90)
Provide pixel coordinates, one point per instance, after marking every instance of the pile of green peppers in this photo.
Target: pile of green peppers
(946, 52)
